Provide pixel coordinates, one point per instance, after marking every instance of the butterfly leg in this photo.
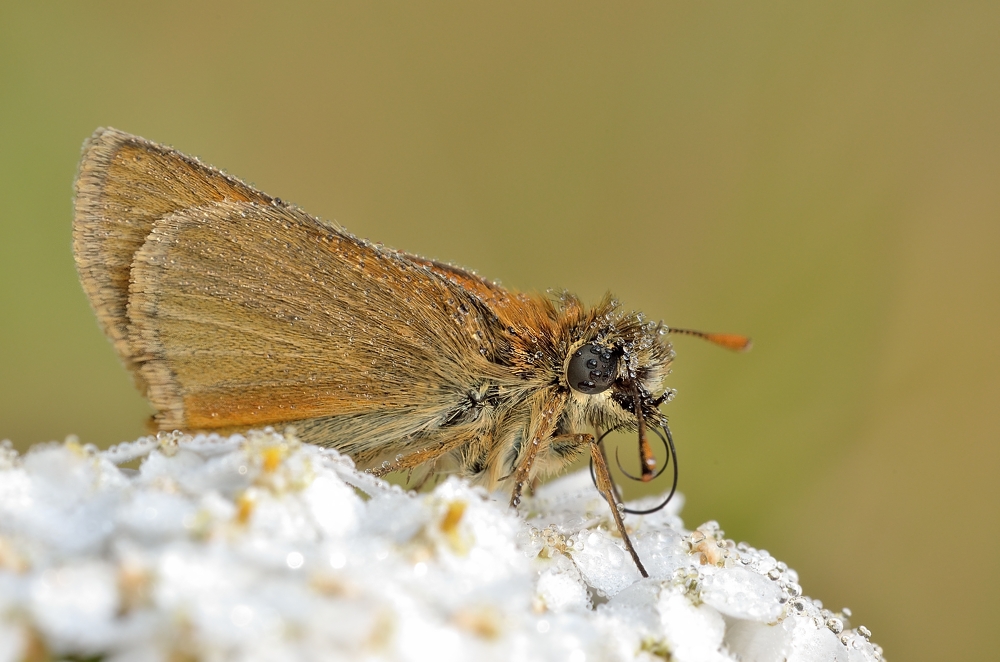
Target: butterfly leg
(562, 450)
(423, 455)
(429, 474)
(545, 414)
(606, 488)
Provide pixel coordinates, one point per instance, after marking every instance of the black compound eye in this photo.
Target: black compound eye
(592, 369)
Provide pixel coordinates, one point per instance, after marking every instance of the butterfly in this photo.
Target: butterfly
(233, 310)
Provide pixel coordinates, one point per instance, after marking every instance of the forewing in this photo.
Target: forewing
(124, 184)
(245, 314)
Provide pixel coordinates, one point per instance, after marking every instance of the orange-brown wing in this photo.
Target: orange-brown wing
(467, 280)
(124, 184)
(236, 310)
(531, 317)
(245, 314)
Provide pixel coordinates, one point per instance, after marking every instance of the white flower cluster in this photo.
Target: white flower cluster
(262, 548)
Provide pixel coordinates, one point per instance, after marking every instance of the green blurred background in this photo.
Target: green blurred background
(822, 176)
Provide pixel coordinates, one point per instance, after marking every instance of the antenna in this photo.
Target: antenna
(731, 341)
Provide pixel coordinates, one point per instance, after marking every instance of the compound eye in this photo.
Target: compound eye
(592, 369)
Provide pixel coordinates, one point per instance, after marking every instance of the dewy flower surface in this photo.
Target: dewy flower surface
(262, 548)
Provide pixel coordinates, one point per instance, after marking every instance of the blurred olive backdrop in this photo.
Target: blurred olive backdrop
(822, 176)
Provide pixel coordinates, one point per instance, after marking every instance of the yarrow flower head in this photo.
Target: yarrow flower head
(258, 547)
